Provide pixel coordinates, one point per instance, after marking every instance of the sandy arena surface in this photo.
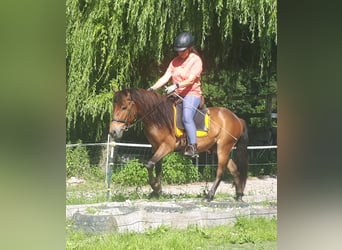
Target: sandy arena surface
(257, 189)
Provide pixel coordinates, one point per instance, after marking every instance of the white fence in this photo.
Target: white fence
(256, 152)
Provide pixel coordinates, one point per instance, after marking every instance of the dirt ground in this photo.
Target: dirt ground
(257, 189)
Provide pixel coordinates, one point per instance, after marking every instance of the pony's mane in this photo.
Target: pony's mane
(156, 109)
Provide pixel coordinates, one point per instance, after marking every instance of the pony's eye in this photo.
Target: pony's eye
(124, 107)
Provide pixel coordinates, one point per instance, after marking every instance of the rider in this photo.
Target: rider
(185, 71)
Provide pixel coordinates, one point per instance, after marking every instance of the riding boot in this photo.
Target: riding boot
(191, 150)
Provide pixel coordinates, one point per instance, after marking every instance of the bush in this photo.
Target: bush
(96, 173)
(77, 161)
(178, 169)
(131, 174)
(208, 173)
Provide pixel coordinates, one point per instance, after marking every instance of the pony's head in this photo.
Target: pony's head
(124, 113)
(153, 109)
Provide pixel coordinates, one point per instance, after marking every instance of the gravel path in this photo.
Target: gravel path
(257, 189)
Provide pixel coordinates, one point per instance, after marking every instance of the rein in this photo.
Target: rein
(135, 120)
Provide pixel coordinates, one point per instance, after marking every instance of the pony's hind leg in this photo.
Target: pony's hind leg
(239, 185)
(239, 168)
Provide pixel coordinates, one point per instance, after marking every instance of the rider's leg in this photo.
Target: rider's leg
(190, 105)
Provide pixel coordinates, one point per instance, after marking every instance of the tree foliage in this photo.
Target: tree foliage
(114, 44)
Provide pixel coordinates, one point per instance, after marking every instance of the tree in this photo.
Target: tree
(124, 43)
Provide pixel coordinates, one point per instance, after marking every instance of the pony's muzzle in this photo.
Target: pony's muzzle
(116, 131)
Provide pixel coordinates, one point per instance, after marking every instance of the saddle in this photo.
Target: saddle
(201, 119)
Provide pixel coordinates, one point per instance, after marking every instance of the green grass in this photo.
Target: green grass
(92, 191)
(256, 233)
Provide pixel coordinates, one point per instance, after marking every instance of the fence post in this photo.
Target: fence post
(110, 165)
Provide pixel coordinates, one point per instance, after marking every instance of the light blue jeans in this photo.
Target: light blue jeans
(190, 105)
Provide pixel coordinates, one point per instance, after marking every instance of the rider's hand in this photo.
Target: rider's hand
(171, 88)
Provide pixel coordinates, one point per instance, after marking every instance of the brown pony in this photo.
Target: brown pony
(156, 113)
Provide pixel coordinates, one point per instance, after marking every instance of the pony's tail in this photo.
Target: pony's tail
(241, 155)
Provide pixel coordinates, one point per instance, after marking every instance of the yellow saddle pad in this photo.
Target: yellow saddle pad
(202, 122)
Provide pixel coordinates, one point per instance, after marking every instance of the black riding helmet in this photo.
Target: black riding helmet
(183, 41)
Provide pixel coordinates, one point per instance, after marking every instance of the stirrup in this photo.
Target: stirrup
(191, 150)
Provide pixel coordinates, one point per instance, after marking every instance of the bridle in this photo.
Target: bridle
(125, 121)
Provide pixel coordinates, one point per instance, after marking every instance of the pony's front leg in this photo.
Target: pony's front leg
(211, 194)
(156, 161)
(155, 182)
(219, 174)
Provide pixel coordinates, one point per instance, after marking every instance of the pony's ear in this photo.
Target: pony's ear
(129, 97)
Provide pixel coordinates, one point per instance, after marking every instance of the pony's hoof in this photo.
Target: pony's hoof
(154, 195)
(205, 199)
(208, 198)
(238, 197)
